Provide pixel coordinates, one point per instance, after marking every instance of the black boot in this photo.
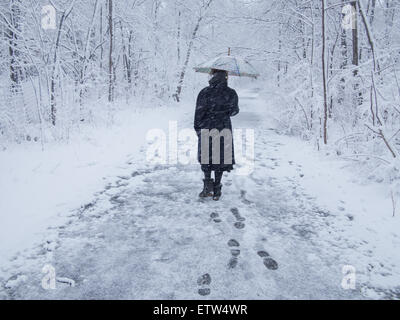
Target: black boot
(217, 191)
(207, 189)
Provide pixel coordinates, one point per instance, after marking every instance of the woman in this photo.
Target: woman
(215, 105)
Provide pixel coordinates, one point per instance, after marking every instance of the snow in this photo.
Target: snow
(41, 187)
(12, 283)
(115, 226)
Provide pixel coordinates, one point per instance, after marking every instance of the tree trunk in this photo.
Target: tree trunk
(370, 37)
(129, 61)
(355, 35)
(312, 64)
(343, 64)
(110, 54)
(357, 95)
(278, 76)
(53, 107)
(12, 46)
(324, 75)
(101, 37)
(178, 39)
(193, 37)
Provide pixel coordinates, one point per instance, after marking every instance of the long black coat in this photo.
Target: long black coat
(214, 107)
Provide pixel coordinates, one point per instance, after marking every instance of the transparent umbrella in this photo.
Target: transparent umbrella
(234, 65)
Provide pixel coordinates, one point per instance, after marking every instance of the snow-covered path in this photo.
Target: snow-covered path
(148, 236)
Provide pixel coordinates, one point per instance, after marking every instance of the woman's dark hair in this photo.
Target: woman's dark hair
(215, 71)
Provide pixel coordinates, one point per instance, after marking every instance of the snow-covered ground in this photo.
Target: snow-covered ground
(39, 187)
(114, 225)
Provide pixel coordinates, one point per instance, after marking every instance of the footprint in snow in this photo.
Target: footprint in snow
(239, 225)
(215, 217)
(237, 215)
(235, 252)
(204, 291)
(243, 197)
(233, 243)
(263, 254)
(239, 219)
(232, 263)
(204, 280)
(269, 263)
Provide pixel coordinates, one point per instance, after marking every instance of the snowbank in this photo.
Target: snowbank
(39, 188)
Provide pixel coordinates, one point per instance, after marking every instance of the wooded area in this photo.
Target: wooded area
(103, 190)
(336, 62)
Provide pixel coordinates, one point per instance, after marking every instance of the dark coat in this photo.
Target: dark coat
(215, 105)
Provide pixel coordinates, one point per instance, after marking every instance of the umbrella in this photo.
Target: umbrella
(234, 65)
